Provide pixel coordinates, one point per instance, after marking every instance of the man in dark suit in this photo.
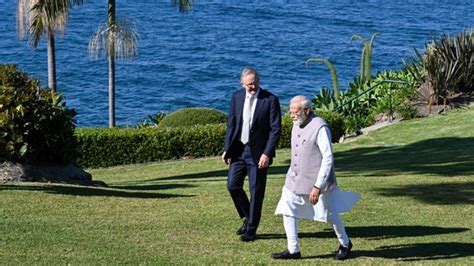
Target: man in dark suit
(253, 132)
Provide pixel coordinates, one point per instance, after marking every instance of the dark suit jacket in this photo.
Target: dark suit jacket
(265, 130)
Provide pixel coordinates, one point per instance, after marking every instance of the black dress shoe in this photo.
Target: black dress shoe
(286, 255)
(248, 237)
(242, 228)
(343, 252)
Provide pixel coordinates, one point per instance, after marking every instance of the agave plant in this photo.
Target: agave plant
(325, 101)
(332, 70)
(366, 57)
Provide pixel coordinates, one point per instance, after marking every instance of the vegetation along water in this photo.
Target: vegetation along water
(194, 59)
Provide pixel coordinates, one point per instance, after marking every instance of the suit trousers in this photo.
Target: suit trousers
(241, 166)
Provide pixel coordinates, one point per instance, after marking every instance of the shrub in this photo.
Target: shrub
(35, 125)
(286, 126)
(193, 116)
(395, 97)
(101, 147)
(335, 123)
(334, 120)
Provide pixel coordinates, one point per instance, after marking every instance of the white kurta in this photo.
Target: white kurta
(333, 201)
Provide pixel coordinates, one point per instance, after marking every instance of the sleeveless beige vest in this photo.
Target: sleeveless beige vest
(306, 159)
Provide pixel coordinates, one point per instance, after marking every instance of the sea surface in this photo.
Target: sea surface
(194, 59)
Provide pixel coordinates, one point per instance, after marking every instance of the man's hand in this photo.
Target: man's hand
(264, 162)
(225, 160)
(314, 195)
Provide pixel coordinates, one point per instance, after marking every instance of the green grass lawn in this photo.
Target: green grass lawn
(416, 179)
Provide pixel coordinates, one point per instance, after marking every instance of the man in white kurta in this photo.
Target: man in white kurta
(310, 190)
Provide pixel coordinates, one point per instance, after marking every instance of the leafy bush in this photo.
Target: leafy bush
(335, 123)
(334, 120)
(286, 126)
(35, 125)
(193, 116)
(101, 147)
(395, 98)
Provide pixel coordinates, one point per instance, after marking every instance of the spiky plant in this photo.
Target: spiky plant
(449, 65)
(332, 70)
(366, 56)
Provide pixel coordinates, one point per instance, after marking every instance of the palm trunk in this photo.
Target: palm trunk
(112, 88)
(111, 42)
(51, 61)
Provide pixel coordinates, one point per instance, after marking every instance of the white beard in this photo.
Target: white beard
(300, 120)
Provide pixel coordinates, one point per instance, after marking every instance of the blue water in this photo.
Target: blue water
(194, 59)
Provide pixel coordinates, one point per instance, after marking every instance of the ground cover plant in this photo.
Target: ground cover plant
(416, 179)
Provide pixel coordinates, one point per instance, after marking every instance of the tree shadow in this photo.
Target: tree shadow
(414, 252)
(91, 191)
(141, 186)
(200, 175)
(376, 232)
(441, 156)
(442, 194)
(273, 170)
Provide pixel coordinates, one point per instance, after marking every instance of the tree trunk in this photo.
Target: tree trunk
(111, 53)
(112, 88)
(51, 61)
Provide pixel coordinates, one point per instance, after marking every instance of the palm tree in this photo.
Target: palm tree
(44, 18)
(118, 39)
(114, 39)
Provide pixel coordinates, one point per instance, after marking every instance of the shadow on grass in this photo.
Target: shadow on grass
(414, 252)
(219, 173)
(151, 186)
(442, 156)
(442, 194)
(90, 191)
(377, 232)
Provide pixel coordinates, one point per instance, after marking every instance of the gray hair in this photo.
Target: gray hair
(247, 71)
(303, 102)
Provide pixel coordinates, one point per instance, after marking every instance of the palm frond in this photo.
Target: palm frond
(123, 36)
(39, 16)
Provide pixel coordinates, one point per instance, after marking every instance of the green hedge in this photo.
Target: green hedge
(101, 147)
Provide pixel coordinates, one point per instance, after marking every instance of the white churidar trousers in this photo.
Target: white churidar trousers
(330, 204)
